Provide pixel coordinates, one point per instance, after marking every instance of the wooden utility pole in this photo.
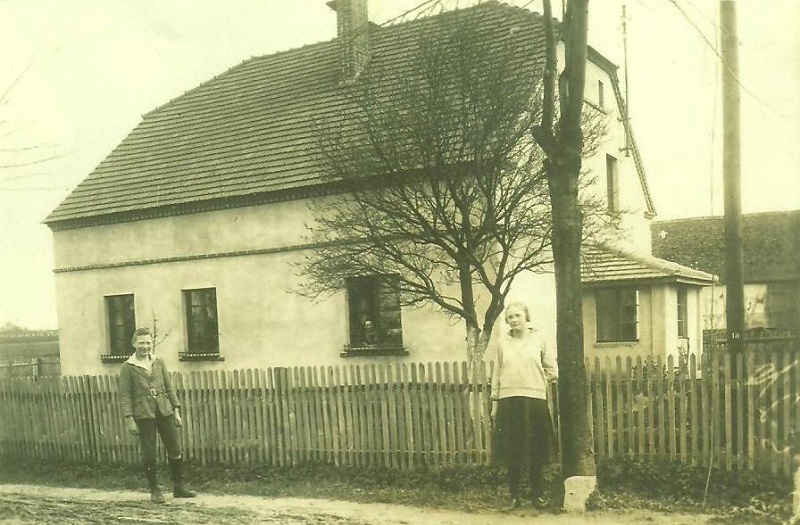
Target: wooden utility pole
(731, 171)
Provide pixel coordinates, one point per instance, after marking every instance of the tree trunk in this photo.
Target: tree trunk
(563, 165)
(576, 435)
(474, 350)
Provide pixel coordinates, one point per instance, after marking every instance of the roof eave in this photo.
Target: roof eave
(186, 208)
(666, 279)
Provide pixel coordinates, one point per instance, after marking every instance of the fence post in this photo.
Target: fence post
(285, 444)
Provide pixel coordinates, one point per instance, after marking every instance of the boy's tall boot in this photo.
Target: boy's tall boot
(152, 482)
(176, 471)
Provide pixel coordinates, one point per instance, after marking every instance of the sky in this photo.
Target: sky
(78, 75)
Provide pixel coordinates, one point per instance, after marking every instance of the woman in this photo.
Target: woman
(149, 405)
(523, 428)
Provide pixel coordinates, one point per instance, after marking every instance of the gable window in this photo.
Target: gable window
(121, 323)
(612, 183)
(617, 315)
(374, 313)
(683, 325)
(202, 326)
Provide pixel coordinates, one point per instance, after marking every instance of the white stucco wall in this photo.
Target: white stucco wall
(658, 325)
(261, 321)
(631, 195)
(755, 315)
(274, 225)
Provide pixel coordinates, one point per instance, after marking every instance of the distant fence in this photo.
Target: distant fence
(47, 366)
(734, 415)
(765, 338)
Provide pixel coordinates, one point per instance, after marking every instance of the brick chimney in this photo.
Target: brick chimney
(352, 30)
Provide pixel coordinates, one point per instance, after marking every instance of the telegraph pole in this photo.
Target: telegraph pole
(731, 171)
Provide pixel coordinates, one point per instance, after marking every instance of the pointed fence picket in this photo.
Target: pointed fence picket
(740, 414)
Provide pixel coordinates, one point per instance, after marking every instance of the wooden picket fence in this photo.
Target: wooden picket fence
(709, 411)
(734, 414)
(397, 416)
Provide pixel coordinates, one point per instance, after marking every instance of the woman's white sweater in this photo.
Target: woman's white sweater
(523, 366)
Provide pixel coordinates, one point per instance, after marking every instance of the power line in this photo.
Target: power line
(709, 19)
(430, 3)
(725, 62)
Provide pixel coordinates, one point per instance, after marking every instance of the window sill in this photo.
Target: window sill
(114, 358)
(613, 344)
(191, 356)
(373, 350)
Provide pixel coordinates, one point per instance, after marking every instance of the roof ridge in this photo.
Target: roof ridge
(653, 262)
(306, 47)
(699, 218)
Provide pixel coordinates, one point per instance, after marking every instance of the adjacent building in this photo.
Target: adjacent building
(771, 248)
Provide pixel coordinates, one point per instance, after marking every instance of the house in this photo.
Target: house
(637, 305)
(771, 244)
(194, 223)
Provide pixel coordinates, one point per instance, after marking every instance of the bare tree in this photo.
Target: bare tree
(442, 187)
(564, 143)
(13, 155)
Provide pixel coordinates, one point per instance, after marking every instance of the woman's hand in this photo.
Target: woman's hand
(176, 416)
(493, 414)
(133, 428)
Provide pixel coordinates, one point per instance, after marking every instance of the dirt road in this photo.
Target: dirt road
(29, 504)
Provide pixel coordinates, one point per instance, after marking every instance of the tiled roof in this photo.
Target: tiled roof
(250, 134)
(252, 130)
(606, 265)
(771, 244)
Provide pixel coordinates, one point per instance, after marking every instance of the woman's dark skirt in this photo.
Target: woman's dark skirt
(522, 433)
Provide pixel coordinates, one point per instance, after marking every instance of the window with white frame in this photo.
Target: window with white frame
(617, 313)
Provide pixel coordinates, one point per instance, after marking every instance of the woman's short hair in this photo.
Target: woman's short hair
(522, 306)
(140, 331)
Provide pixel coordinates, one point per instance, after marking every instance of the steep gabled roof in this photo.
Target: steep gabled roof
(605, 265)
(249, 135)
(771, 244)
